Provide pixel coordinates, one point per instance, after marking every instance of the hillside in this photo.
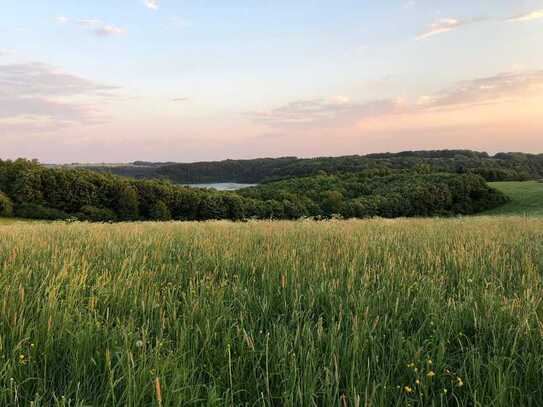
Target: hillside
(526, 198)
(500, 167)
(29, 190)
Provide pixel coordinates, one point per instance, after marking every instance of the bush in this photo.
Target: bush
(6, 206)
(94, 214)
(32, 211)
(159, 211)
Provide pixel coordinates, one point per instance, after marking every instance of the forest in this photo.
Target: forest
(500, 167)
(31, 190)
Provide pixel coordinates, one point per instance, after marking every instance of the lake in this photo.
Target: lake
(222, 186)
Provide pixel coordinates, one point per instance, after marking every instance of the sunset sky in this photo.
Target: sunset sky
(190, 80)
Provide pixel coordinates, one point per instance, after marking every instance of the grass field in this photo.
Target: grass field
(354, 313)
(526, 198)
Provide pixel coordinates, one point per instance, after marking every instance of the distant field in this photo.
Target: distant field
(353, 313)
(527, 198)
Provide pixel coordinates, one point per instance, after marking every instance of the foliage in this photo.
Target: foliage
(353, 313)
(94, 214)
(365, 195)
(501, 167)
(6, 206)
(159, 211)
(57, 193)
(33, 211)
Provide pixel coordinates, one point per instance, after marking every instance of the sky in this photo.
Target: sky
(190, 80)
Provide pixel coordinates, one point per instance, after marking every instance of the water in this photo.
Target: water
(222, 186)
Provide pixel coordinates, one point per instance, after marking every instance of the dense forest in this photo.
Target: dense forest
(500, 167)
(30, 190)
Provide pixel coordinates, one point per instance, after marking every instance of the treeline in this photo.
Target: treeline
(29, 190)
(500, 167)
(37, 192)
(379, 193)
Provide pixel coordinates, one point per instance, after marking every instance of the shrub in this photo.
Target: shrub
(159, 211)
(94, 214)
(32, 211)
(6, 206)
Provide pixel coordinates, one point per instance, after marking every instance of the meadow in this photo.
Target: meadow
(337, 313)
(526, 198)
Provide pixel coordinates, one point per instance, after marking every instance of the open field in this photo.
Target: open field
(527, 198)
(354, 313)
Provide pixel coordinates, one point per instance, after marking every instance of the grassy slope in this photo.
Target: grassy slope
(527, 198)
(273, 313)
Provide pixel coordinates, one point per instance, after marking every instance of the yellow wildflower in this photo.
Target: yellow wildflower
(408, 389)
(430, 374)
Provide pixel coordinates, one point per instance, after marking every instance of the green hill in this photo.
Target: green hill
(526, 198)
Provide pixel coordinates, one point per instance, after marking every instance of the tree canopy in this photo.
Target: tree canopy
(35, 191)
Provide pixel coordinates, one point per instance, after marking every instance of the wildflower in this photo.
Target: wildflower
(445, 391)
(430, 374)
(417, 381)
(139, 344)
(459, 382)
(430, 362)
(408, 389)
(411, 365)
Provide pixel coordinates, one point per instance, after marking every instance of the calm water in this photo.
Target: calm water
(223, 186)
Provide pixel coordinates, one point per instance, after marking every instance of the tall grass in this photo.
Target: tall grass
(354, 313)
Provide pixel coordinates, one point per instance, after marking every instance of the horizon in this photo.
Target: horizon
(164, 81)
(97, 163)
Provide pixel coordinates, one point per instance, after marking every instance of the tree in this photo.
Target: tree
(6, 206)
(160, 212)
(126, 201)
(332, 202)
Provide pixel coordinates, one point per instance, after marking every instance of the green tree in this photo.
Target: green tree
(6, 206)
(126, 202)
(160, 212)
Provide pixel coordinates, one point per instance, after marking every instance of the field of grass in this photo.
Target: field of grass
(354, 313)
(526, 198)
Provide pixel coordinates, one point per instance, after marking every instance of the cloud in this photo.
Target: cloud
(449, 24)
(108, 30)
(35, 95)
(441, 26)
(341, 111)
(409, 4)
(331, 112)
(534, 15)
(488, 90)
(89, 23)
(98, 27)
(152, 4)
(183, 99)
